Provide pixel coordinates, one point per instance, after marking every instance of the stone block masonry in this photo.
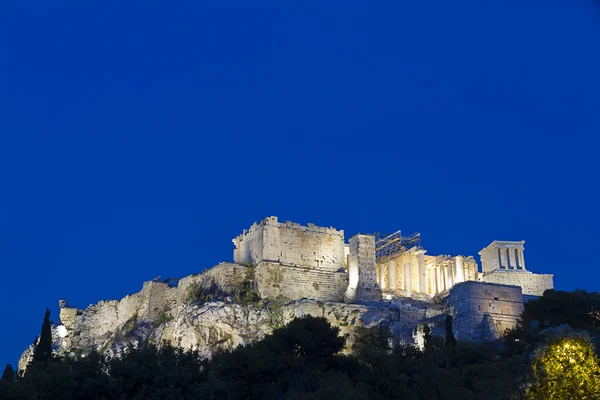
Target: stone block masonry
(294, 282)
(484, 311)
(291, 244)
(362, 280)
(531, 284)
(294, 261)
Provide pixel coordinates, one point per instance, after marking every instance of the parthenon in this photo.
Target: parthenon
(403, 267)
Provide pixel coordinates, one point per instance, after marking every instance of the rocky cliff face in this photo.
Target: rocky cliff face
(211, 311)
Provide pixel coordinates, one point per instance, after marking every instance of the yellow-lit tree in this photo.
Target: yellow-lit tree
(565, 367)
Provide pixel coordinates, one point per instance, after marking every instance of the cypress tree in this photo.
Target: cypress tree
(43, 349)
(428, 338)
(450, 339)
(8, 374)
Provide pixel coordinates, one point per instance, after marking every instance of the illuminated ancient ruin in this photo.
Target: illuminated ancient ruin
(314, 262)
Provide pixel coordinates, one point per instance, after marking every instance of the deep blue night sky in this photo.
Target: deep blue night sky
(137, 140)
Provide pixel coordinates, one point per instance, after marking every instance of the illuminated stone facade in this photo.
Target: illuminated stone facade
(504, 263)
(296, 261)
(310, 270)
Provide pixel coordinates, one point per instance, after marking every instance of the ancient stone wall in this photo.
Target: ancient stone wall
(295, 282)
(470, 268)
(362, 274)
(225, 278)
(153, 300)
(294, 261)
(503, 255)
(68, 317)
(531, 284)
(291, 244)
(484, 311)
(249, 245)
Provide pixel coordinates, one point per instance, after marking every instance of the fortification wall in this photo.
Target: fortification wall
(152, 300)
(531, 284)
(68, 317)
(293, 282)
(249, 245)
(226, 277)
(484, 311)
(98, 321)
(291, 244)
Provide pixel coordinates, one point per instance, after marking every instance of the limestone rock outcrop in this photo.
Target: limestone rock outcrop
(285, 270)
(161, 313)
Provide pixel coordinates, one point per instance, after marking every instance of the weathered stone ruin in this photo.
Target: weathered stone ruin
(313, 262)
(294, 270)
(504, 263)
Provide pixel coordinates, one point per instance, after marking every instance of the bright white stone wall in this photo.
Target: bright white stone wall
(291, 244)
(362, 270)
(531, 284)
(295, 261)
(500, 255)
(292, 282)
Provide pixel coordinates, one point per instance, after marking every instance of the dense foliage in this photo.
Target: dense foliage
(43, 350)
(565, 367)
(304, 360)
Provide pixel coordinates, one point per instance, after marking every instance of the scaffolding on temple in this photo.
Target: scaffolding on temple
(390, 245)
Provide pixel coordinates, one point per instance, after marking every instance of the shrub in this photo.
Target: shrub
(247, 293)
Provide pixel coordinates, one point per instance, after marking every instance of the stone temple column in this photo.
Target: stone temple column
(433, 279)
(407, 278)
(446, 272)
(382, 276)
(522, 255)
(422, 271)
(392, 274)
(460, 269)
(440, 282)
(451, 273)
(511, 258)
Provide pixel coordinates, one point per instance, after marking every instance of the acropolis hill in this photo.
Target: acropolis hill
(297, 270)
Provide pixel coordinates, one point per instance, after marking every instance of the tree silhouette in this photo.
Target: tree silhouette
(8, 374)
(43, 349)
(450, 339)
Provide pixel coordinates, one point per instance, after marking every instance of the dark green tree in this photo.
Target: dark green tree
(565, 367)
(43, 349)
(9, 388)
(247, 293)
(450, 339)
(8, 374)
(298, 361)
(370, 344)
(428, 339)
(308, 337)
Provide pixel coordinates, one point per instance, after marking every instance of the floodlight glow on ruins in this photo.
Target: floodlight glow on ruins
(363, 281)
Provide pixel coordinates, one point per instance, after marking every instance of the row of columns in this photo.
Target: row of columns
(511, 258)
(428, 279)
